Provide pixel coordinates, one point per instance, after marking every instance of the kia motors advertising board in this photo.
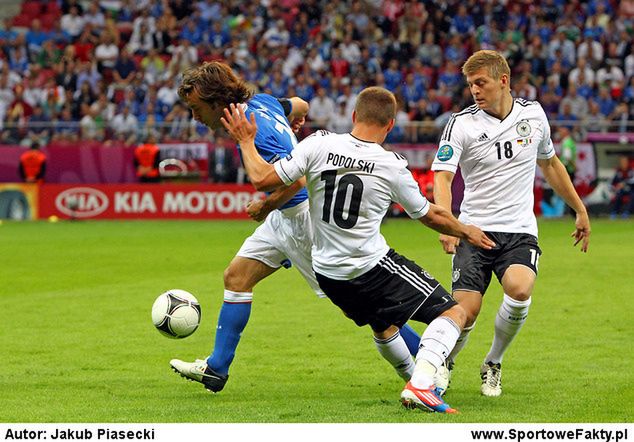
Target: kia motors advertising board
(146, 201)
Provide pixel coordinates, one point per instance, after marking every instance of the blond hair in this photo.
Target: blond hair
(215, 83)
(495, 64)
(375, 105)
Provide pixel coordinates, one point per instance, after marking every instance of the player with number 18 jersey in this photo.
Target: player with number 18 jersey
(497, 160)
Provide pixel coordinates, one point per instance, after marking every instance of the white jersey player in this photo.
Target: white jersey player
(496, 143)
(351, 182)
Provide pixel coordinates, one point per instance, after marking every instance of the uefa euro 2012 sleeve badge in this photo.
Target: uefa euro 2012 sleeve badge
(445, 152)
(523, 128)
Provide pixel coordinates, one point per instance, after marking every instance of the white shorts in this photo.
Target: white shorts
(285, 235)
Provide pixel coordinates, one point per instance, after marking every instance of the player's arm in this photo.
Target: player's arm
(442, 197)
(555, 174)
(258, 210)
(441, 220)
(262, 174)
(295, 110)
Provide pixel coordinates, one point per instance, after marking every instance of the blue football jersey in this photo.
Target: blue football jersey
(274, 139)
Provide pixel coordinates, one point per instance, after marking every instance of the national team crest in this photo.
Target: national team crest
(445, 152)
(523, 128)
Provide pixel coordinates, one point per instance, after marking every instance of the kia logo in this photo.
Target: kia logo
(81, 202)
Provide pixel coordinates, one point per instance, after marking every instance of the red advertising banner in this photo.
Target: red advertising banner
(146, 201)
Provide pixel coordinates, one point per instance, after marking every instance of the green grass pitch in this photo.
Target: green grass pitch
(77, 343)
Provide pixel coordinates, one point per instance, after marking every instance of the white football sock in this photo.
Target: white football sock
(460, 343)
(508, 322)
(395, 351)
(435, 344)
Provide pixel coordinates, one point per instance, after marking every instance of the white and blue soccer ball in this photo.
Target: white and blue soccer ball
(176, 314)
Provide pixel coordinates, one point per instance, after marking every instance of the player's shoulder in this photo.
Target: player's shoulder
(530, 107)
(319, 134)
(464, 119)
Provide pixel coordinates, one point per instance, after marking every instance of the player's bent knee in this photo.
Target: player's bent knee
(234, 280)
(457, 314)
(387, 333)
(520, 294)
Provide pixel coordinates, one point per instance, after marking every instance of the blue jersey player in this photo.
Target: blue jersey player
(283, 238)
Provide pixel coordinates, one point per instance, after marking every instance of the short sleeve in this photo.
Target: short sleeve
(545, 148)
(450, 147)
(407, 194)
(293, 167)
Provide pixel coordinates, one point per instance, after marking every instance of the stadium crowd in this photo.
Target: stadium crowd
(108, 70)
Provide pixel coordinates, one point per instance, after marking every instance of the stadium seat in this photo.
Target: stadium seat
(53, 8)
(48, 21)
(31, 9)
(21, 20)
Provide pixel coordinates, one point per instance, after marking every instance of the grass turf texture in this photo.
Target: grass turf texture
(78, 344)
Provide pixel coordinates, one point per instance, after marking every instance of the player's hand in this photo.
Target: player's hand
(258, 210)
(239, 127)
(478, 238)
(297, 124)
(449, 243)
(582, 231)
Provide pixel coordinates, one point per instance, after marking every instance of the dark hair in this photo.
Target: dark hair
(375, 105)
(215, 83)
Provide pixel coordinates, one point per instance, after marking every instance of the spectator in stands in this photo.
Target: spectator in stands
(340, 121)
(95, 17)
(32, 167)
(106, 54)
(565, 47)
(180, 122)
(18, 58)
(590, 49)
(578, 105)
(124, 126)
(35, 38)
(19, 107)
(623, 188)
(523, 89)
(276, 36)
(72, 22)
(321, 109)
(142, 41)
(619, 118)
(605, 101)
(124, 70)
(50, 55)
(105, 109)
(582, 67)
(66, 127)
(184, 56)
(39, 126)
(6, 97)
(91, 128)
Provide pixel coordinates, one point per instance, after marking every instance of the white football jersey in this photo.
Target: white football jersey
(351, 184)
(497, 159)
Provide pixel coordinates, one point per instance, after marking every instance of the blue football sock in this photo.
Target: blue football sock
(232, 319)
(411, 338)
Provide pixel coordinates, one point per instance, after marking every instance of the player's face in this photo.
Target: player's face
(487, 92)
(204, 112)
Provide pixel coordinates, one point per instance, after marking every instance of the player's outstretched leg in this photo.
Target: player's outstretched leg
(437, 341)
(393, 348)
(442, 380)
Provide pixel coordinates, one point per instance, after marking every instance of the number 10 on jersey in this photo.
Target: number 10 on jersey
(340, 193)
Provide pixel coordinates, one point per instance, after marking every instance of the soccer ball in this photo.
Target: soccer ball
(176, 314)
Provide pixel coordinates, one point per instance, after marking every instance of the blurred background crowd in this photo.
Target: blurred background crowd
(108, 70)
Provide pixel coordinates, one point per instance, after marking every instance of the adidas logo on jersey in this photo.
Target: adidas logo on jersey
(483, 137)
